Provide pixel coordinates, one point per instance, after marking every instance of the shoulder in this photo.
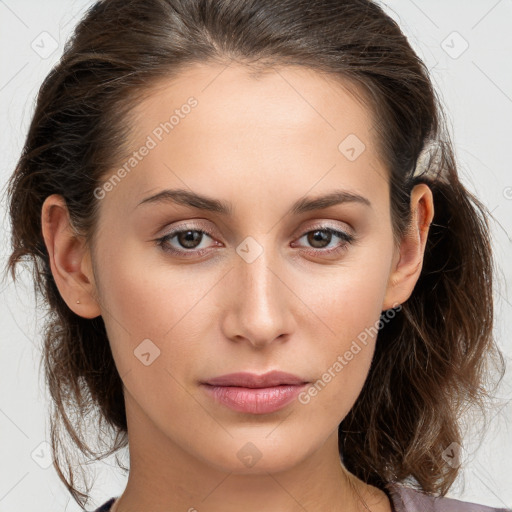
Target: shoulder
(106, 506)
(407, 499)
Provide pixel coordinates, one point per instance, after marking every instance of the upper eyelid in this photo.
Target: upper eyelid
(302, 232)
(179, 229)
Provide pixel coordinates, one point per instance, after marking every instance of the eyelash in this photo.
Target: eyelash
(345, 237)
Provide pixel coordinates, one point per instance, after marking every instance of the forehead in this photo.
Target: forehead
(283, 99)
(216, 124)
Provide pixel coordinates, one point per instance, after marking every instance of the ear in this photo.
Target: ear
(70, 259)
(408, 259)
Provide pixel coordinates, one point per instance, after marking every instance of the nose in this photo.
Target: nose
(259, 306)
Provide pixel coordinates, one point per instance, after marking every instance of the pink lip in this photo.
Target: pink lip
(254, 400)
(256, 394)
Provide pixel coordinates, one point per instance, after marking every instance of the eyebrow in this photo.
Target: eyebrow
(202, 202)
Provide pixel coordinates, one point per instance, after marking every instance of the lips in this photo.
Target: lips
(250, 393)
(252, 380)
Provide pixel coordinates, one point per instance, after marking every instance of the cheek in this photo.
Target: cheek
(157, 316)
(348, 304)
(154, 320)
(348, 298)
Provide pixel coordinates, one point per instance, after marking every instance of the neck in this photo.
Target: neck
(165, 477)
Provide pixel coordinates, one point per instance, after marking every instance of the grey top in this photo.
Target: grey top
(406, 499)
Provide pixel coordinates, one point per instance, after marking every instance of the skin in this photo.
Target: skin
(260, 143)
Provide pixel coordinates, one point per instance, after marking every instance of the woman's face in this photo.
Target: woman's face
(255, 281)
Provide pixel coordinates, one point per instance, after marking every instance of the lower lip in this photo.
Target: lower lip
(254, 400)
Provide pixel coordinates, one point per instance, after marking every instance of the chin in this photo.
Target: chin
(252, 455)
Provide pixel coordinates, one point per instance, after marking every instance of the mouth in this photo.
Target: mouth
(252, 380)
(255, 394)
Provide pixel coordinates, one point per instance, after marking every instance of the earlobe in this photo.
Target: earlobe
(408, 261)
(69, 258)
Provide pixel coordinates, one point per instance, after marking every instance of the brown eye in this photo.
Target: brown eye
(184, 242)
(319, 240)
(189, 239)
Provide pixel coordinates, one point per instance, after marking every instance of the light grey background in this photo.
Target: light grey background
(476, 85)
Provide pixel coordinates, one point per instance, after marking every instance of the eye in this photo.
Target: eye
(187, 241)
(321, 237)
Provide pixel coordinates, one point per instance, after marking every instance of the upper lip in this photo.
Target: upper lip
(252, 380)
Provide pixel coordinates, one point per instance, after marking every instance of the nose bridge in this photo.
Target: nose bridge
(261, 310)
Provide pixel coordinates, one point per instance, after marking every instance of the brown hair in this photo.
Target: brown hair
(430, 362)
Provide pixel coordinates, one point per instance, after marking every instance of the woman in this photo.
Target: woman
(262, 270)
